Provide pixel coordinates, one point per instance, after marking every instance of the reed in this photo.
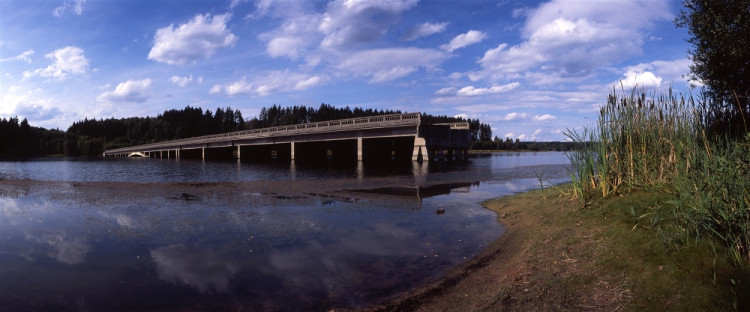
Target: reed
(658, 141)
(638, 141)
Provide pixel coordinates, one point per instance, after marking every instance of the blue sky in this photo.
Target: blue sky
(530, 69)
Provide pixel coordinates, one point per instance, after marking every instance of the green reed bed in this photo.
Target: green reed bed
(658, 141)
(638, 141)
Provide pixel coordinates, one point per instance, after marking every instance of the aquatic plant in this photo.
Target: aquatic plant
(659, 141)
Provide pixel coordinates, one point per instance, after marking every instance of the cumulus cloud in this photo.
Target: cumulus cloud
(526, 117)
(75, 6)
(293, 38)
(261, 8)
(423, 30)
(136, 91)
(515, 116)
(643, 79)
(654, 74)
(182, 81)
(199, 38)
(347, 23)
(66, 61)
(573, 39)
(27, 104)
(472, 91)
(463, 40)
(390, 64)
(268, 83)
(23, 57)
(545, 117)
(284, 46)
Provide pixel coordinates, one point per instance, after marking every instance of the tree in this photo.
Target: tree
(721, 58)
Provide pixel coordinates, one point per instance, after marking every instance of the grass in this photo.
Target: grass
(629, 263)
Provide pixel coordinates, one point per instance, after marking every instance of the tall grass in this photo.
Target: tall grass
(658, 140)
(638, 141)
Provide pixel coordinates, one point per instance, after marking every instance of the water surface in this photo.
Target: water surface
(64, 248)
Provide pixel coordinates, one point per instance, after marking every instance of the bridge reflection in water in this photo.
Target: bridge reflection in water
(387, 137)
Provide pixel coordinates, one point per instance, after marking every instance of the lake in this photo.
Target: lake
(121, 234)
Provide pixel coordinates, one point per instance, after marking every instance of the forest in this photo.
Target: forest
(90, 137)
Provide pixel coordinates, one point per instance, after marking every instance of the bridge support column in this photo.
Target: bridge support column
(239, 155)
(359, 148)
(291, 147)
(420, 148)
(203, 153)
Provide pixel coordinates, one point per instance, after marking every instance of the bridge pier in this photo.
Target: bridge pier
(420, 149)
(359, 148)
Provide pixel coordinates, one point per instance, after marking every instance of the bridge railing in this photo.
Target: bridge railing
(309, 128)
(456, 125)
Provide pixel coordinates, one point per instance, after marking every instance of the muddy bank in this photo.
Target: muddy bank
(541, 263)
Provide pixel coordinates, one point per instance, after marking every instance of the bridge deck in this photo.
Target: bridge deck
(341, 125)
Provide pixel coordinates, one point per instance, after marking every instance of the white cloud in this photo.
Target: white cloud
(136, 91)
(293, 38)
(199, 38)
(449, 91)
(33, 105)
(643, 79)
(423, 30)
(515, 116)
(347, 22)
(390, 64)
(181, 81)
(261, 8)
(67, 60)
(464, 40)
(471, 91)
(307, 83)
(655, 74)
(571, 40)
(24, 57)
(76, 6)
(216, 89)
(285, 46)
(268, 83)
(545, 117)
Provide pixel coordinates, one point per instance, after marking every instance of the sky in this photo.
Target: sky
(530, 69)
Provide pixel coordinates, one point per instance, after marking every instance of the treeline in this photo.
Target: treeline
(20, 138)
(91, 136)
(509, 144)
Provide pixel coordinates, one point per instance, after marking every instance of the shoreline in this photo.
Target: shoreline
(557, 255)
(498, 277)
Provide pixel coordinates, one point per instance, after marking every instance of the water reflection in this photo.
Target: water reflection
(63, 248)
(199, 267)
(322, 250)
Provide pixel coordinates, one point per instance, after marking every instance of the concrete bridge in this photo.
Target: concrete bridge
(386, 137)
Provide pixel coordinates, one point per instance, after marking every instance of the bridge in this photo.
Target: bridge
(397, 136)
